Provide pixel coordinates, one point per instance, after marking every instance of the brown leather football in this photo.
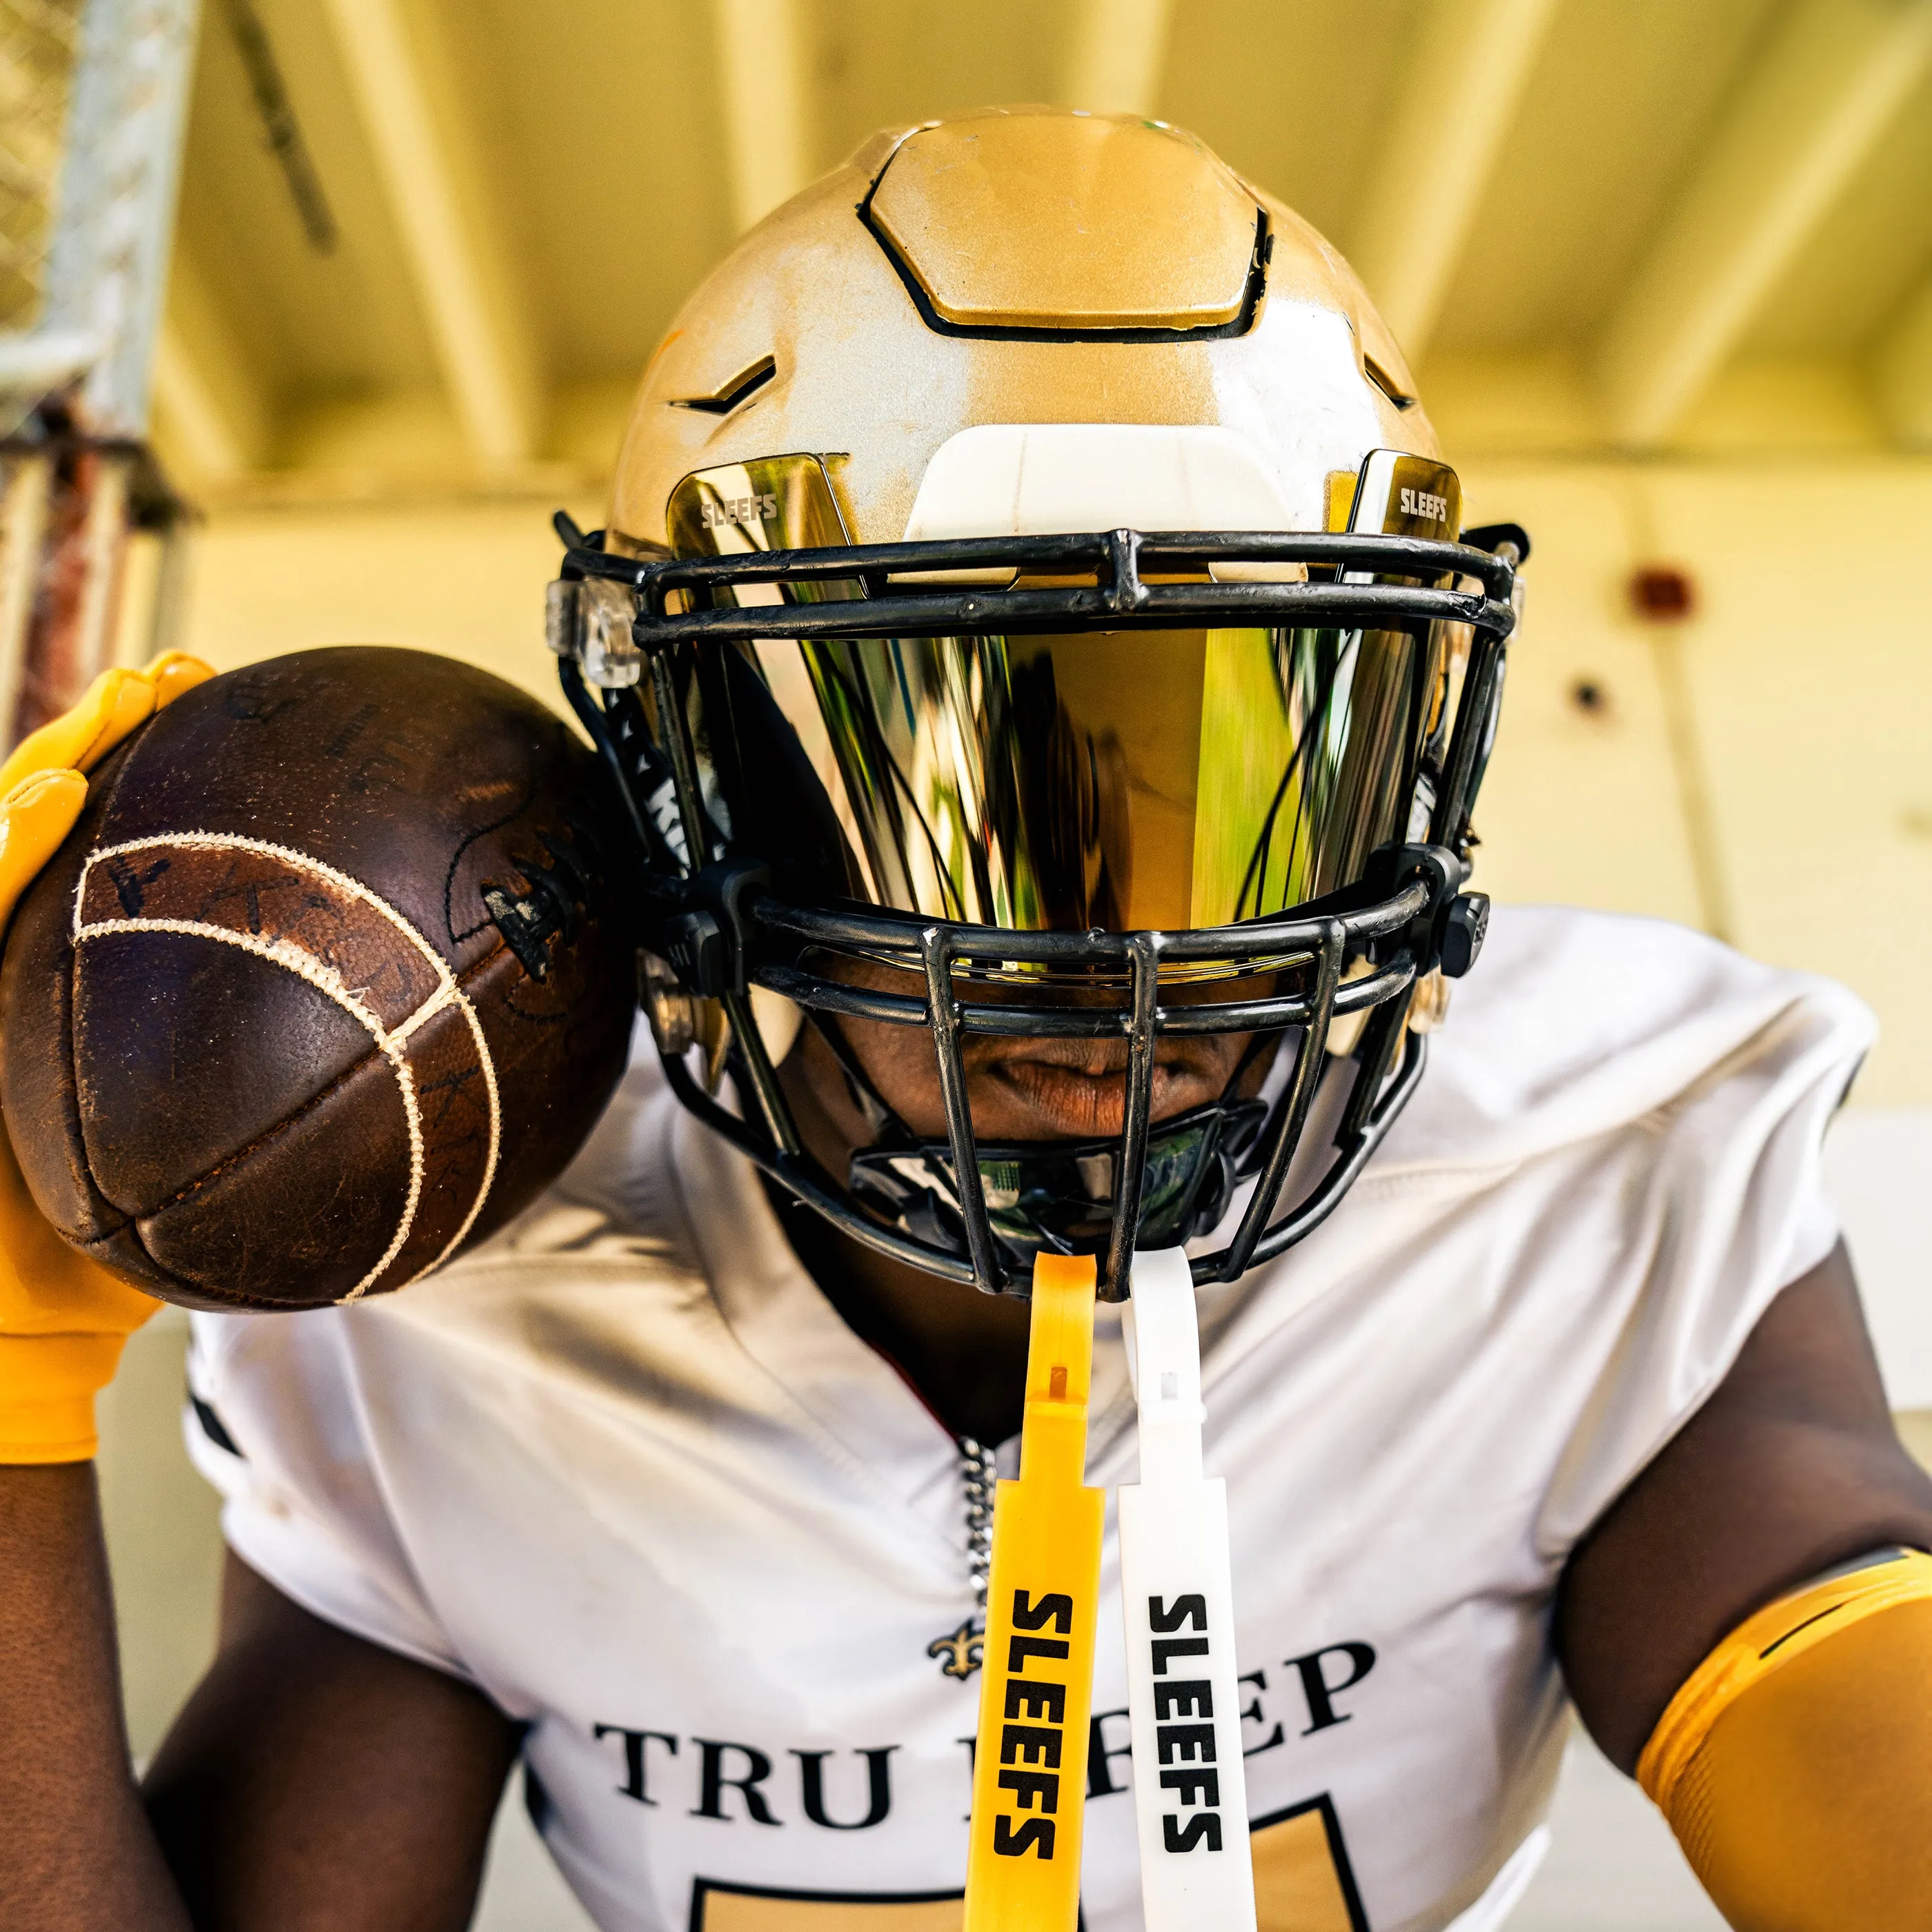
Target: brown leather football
(328, 982)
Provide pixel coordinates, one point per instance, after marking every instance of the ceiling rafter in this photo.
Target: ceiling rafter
(460, 266)
(761, 70)
(1444, 132)
(1116, 53)
(1825, 89)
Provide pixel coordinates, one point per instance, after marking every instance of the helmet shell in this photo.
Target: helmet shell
(1018, 266)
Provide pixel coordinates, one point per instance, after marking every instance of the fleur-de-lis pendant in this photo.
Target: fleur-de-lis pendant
(959, 1651)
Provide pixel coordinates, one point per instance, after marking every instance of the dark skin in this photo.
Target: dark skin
(1791, 1468)
(249, 1794)
(315, 1783)
(963, 1351)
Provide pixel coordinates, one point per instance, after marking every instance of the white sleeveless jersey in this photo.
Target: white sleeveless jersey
(626, 1470)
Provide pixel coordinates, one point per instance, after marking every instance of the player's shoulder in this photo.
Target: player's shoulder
(622, 1196)
(1575, 1023)
(606, 1262)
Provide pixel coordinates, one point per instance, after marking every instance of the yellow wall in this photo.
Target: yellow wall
(1799, 698)
(1802, 691)
(466, 578)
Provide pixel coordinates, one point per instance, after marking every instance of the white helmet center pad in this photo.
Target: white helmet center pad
(1044, 479)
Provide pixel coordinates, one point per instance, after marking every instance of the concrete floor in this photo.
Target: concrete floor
(1613, 1867)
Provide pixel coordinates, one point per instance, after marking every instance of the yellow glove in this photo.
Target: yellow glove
(63, 1320)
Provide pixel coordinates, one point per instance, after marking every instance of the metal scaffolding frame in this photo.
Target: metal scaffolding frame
(74, 382)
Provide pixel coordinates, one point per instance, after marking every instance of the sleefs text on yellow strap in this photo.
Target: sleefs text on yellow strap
(1029, 1764)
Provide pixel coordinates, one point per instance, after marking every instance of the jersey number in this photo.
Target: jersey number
(1303, 1881)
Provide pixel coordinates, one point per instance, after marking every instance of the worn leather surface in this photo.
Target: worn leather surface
(259, 988)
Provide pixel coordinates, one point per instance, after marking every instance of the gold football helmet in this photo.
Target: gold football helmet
(1029, 565)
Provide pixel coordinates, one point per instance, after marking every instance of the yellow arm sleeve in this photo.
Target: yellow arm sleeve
(1795, 1764)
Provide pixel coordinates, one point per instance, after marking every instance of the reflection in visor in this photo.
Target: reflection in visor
(1141, 780)
(1130, 781)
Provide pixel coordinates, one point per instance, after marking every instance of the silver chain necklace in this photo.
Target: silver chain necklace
(958, 1651)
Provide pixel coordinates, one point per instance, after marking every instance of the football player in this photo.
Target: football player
(1018, 884)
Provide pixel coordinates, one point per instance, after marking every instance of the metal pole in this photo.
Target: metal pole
(107, 270)
(76, 594)
(23, 525)
(92, 346)
(169, 606)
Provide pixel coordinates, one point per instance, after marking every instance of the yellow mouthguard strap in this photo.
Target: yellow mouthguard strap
(1796, 1763)
(1043, 1598)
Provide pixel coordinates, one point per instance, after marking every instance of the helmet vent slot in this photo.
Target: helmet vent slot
(726, 397)
(1387, 383)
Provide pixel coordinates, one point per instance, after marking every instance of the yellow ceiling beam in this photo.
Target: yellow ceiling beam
(212, 413)
(1902, 373)
(1825, 89)
(1116, 53)
(458, 261)
(1435, 153)
(761, 77)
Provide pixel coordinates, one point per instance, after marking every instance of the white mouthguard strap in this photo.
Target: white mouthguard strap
(1189, 1796)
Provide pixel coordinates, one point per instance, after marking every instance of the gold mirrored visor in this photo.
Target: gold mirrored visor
(1127, 780)
(1154, 778)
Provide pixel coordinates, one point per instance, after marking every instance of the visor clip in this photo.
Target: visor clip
(1465, 923)
(705, 934)
(589, 619)
(1441, 873)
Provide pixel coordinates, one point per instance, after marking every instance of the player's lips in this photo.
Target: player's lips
(1020, 1088)
(1077, 1090)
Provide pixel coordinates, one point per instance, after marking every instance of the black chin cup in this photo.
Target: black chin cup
(1056, 1197)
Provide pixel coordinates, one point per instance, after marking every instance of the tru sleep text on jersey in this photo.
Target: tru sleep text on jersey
(733, 1781)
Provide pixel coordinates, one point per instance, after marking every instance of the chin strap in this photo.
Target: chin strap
(1189, 1795)
(1030, 1763)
